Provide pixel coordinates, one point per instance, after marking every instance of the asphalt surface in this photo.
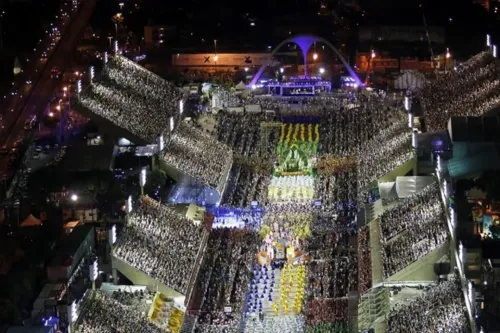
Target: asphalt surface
(44, 87)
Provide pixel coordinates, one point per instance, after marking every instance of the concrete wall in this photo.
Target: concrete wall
(138, 277)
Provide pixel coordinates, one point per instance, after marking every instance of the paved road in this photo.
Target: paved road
(44, 87)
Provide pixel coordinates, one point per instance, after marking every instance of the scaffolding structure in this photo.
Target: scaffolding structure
(373, 305)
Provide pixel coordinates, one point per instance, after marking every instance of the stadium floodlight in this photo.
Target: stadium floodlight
(91, 73)
(322, 70)
(112, 235)
(79, 86)
(181, 106)
(488, 40)
(94, 271)
(494, 51)
(105, 57)
(161, 143)
(129, 204)
(471, 293)
(142, 178)
(172, 124)
(73, 314)
(116, 46)
(461, 252)
(407, 103)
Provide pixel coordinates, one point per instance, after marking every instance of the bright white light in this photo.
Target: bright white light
(246, 69)
(181, 106)
(216, 58)
(407, 103)
(414, 142)
(172, 124)
(79, 86)
(448, 54)
(494, 51)
(254, 87)
(142, 178)
(105, 57)
(461, 252)
(129, 204)
(373, 54)
(282, 70)
(445, 188)
(161, 144)
(471, 296)
(488, 40)
(321, 70)
(94, 271)
(439, 163)
(410, 120)
(315, 56)
(91, 73)
(355, 85)
(74, 197)
(116, 46)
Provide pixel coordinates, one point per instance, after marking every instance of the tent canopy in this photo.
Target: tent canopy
(241, 86)
(31, 221)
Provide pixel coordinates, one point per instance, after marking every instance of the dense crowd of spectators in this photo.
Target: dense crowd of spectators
(245, 186)
(441, 309)
(334, 269)
(242, 132)
(102, 313)
(132, 98)
(338, 192)
(161, 243)
(321, 311)
(365, 260)
(199, 155)
(224, 278)
(354, 126)
(471, 90)
(386, 151)
(411, 229)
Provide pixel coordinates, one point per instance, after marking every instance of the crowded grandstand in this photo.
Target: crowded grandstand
(289, 253)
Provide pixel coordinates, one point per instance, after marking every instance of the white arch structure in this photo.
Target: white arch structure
(305, 42)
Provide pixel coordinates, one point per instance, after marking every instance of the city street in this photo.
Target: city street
(44, 87)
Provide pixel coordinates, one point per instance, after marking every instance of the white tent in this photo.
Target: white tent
(409, 80)
(240, 86)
